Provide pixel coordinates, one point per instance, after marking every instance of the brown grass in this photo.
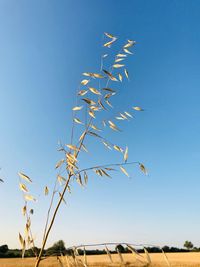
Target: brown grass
(176, 259)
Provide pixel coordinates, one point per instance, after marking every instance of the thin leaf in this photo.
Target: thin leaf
(23, 187)
(94, 127)
(118, 148)
(89, 101)
(126, 154)
(101, 104)
(21, 240)
(59, 163)
(61, 179)
(84, 82)
(108, 44)
(113, 126)
(109, 89)
(94, 134)
(98, 172)
(119, 59)
(72, 147)
(121, 55)
(119, 118)
(107, 145)
(77, 108)
(97, 75)
(84, 148)
(128, 114)
(25, 177)
(126, 73)
(79, 179)
(82, 92)
(138, 108)
(46, 190)
(129, 44)
(110, 76)
(123, 116)
(24, 210)
(118, 66)
(127, 51)
(124, 171)
(109, 169)
(62, 198)
(85, 178)
(95, 108)
(109, 35)
(104, 123)
(82, 136)
(109, 104)
(109, 95)
(143, 169)
(94, 75)
(94, 91)
(78, 121)
(23, 244)
(105, 173)
(29, 198)
(91, 113)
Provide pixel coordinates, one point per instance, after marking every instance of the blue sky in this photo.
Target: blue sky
(44, 48)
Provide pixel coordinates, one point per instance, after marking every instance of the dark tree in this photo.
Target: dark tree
(3, 249)
(188, 245)
(120, 248)
(57, 248)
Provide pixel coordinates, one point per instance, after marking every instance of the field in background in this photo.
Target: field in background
(191, 259)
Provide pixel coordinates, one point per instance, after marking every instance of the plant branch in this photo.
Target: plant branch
(108, 165)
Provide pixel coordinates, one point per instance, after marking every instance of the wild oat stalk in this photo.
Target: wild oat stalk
(92, 100)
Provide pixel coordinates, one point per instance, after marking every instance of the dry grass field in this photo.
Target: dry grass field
(176, 260)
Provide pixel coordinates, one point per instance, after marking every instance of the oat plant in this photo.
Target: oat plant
(92, 117)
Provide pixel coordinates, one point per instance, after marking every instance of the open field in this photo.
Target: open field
(176, 259)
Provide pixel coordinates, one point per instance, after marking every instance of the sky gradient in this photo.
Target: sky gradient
(44, 48)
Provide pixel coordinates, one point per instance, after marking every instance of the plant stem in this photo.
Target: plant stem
(52, 222)
(58, 205)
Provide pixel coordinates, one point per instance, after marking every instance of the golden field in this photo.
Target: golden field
(191, 259)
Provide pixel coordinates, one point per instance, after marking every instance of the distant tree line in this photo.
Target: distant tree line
(58, 248)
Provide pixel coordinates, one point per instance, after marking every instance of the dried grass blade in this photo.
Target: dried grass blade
(85, 257)
(143, 169)
(60, 262)
(120, 256)
(67, 261)
(25, 177)
(136, 254)
(124, 171)
(109, 254)
(75, 257)
(166, 258)
(148, 259)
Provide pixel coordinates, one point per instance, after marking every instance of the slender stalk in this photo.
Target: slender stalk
(58, 205)
(52, 222)
(50, 206)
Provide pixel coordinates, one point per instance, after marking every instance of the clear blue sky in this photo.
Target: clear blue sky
(44, 48)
